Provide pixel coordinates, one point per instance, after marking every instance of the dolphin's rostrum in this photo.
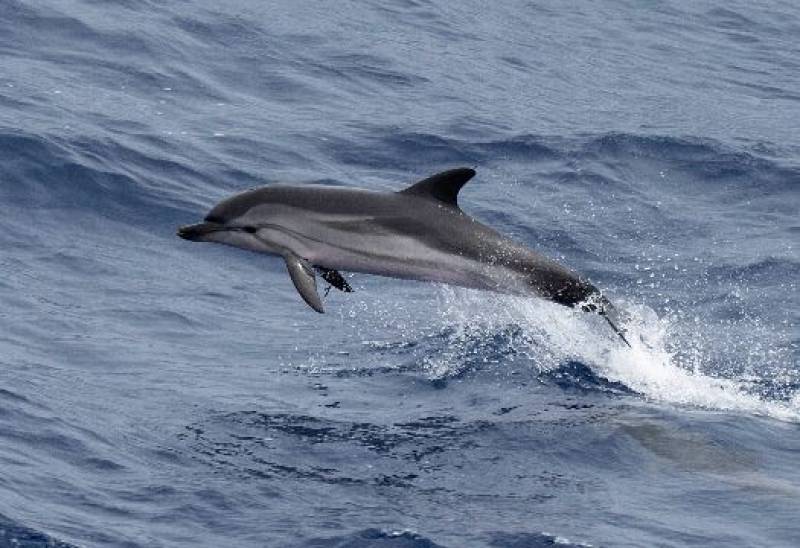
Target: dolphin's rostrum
(418, 233)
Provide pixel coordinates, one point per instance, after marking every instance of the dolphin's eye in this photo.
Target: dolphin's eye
(250, 229)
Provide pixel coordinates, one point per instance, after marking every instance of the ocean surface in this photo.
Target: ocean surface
(156, 392)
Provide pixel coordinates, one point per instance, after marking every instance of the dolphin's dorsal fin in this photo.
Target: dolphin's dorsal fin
(443, 186)
(304, 280)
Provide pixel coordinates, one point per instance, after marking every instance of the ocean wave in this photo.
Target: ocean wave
(627, 155)
(95, 178)
(404, 538)
(12, 534)
(135, 175)
(376, 538)
(244, 442)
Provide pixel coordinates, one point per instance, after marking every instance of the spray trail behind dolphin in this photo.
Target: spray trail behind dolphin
(544, 336)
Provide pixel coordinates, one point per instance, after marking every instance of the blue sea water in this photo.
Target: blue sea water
(156, 392)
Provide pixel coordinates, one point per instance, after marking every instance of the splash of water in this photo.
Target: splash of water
(656, 365)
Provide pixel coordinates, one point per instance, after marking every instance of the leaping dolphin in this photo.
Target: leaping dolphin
(419, 233)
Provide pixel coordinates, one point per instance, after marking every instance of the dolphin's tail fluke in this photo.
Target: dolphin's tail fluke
(616, 329)
(601, 305)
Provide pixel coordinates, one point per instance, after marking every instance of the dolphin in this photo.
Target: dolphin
(419, 233)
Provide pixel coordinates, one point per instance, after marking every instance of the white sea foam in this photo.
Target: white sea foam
(650, 367)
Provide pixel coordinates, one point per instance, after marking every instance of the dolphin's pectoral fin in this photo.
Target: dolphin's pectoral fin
(334, 278)
(304, 281)
(443, 186)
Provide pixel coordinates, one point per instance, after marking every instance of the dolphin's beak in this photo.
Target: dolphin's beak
(197, 232)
